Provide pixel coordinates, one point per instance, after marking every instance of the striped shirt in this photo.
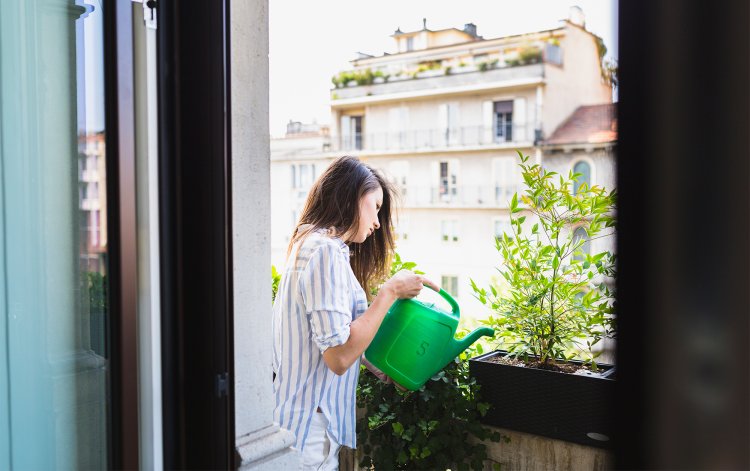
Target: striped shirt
(317, 299)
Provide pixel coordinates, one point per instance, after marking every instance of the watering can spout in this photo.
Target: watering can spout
(464, 343)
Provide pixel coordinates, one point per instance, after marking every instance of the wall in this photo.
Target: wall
(260, 442)
(578, 82)
(526, 452)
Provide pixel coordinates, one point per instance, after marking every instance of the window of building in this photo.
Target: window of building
(402, 229)
(398, 174)
(506, 179)
(449, 230)
(448, 181)
(303, 176)
(449, 123)
(584, 169)
(351, 132)
(410, 43)
(502, 226)
(450, 284)
(585, 249)
(503, 121)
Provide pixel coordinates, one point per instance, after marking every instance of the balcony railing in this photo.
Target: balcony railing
(428, 139)
(439, 81)
(490, 196)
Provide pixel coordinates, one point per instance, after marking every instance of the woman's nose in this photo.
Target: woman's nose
(377, 224)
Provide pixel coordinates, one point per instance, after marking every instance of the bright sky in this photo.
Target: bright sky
(312, 41)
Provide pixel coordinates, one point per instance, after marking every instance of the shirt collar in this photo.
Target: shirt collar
(326, 232)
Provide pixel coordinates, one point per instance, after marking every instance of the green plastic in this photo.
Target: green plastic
(415, 341)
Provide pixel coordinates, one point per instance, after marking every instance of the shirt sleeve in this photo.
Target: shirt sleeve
(326, 295)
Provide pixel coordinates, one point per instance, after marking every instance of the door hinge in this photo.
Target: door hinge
(149, 12)
(222, 384)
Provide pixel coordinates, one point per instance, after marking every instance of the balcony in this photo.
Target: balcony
(430, 140)
(462, 196)
(438, 82)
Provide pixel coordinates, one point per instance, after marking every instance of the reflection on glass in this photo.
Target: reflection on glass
(53, 237)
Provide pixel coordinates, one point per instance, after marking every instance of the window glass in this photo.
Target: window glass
(584, 169)
(54, 353)
(585, 249)
(503, 121)
(450, 284)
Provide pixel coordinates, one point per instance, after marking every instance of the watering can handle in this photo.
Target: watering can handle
(454, 305)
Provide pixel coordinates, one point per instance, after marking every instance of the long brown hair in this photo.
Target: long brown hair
(333, 204)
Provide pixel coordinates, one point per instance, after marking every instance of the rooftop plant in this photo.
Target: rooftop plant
(362, 77)
(557, 302)
(530, 55)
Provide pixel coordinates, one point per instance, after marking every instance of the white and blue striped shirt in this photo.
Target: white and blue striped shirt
(317, 299)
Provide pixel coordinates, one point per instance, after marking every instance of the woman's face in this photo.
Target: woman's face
(369, 205)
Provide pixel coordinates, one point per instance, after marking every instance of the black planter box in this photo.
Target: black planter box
(574, 408)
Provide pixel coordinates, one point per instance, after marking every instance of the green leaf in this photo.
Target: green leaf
(398, 429)
(514, 204)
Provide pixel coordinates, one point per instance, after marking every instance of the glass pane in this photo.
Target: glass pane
(53, 238)
(585, 170)
(585, 249)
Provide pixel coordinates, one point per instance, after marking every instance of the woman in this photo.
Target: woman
(322, 323)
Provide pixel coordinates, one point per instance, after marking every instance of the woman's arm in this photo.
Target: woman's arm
(404, 284)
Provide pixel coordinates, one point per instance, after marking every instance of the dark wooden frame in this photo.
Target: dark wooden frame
(195, 234)
(684, 226)
(122, 420)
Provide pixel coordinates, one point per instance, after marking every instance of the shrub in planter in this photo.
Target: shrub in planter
(435, 427)
(557, 303)
(530, 55)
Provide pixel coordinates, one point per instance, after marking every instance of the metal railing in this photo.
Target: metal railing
(494, 196)
(426, 139)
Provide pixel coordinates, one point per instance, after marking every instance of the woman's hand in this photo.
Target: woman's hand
(405, 284)
(380, 375)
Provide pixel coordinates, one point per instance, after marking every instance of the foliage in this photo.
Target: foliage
(530, 55)
(275, 278)
(96, 286)
(611, 72)
(486, 65)
(526, 55)
(558, 303)
(608, 68)
(435, 427)
(362, 77)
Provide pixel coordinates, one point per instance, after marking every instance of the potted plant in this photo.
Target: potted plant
(553, 305)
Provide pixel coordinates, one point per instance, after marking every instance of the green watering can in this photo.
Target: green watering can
(415, 341)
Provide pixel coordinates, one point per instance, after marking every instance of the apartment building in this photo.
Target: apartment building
(443, 117)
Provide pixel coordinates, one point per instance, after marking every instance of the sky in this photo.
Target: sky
(310, 41)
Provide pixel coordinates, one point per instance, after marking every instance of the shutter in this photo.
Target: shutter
(432, 192)
(454, 130)
(441, 138)
(407, 133)
(393, 139)
(488, 122)
(520, 126)
(346, 133)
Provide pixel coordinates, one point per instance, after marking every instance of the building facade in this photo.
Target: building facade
(443, 118)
